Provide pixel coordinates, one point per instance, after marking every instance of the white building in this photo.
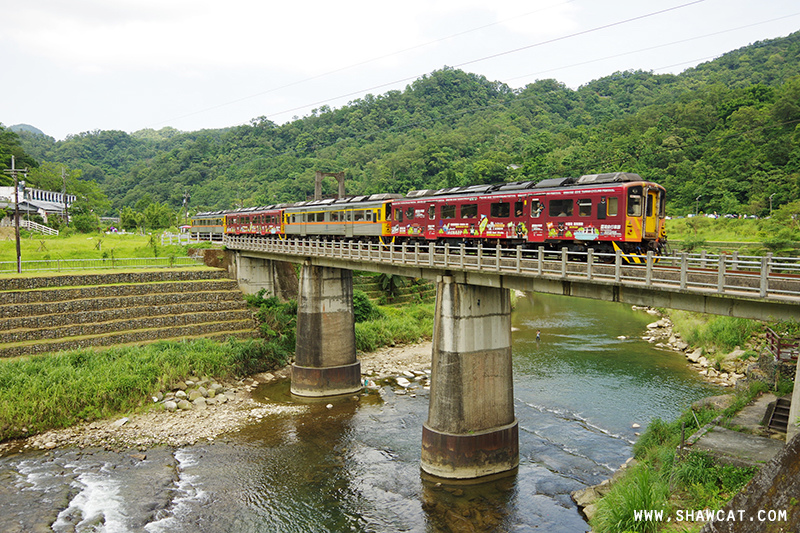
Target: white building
(36, 201)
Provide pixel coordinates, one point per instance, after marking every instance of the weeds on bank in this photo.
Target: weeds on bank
(57, 390)
(663, 480)
(721, 333)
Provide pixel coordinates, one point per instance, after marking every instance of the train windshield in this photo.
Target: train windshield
(635, 201)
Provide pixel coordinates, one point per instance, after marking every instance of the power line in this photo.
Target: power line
(365, 62)
(500, 54)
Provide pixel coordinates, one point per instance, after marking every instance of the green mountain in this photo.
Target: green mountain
(726, 132)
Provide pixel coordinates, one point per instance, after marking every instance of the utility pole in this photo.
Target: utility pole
(14, 172)
(64, 196)
(186, 198)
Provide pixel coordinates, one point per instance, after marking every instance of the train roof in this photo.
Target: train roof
(549, 183)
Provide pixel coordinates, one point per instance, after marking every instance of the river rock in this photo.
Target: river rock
(199, 402)
(184, 405)
(695, 356)
(203, 391)
(194, 395)
(403, 382)
(170, 406)
(221, 398)
(180, 395)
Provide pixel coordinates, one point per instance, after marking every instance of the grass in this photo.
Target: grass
(37, 247)
(48, 391)
(395, 325)
(715, 333)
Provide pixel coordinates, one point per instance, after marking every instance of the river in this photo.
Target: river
(353, 466)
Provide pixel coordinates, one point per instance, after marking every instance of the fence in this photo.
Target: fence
(783, 348)
(29, 225)
(169, 239)
(59, 265)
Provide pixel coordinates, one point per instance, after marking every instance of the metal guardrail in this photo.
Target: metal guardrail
(782, 348)
(59, 265)
(764, 277)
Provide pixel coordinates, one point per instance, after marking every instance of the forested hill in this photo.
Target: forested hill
(727, 131)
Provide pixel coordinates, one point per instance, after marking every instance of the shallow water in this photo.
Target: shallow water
(355, 466)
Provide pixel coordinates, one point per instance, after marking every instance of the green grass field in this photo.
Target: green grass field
(37, 247)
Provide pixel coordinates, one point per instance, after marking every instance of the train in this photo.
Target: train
(607, 212)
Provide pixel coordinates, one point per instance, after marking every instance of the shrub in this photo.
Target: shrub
(363, 308)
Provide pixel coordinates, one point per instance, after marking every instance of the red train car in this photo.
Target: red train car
(599, 211)
(255, 221)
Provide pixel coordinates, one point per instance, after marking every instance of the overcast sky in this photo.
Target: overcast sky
(68, 67)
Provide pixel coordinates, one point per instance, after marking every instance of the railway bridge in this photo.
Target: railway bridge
(471, 429)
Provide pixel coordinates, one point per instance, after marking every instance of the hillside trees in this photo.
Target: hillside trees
(726, 131)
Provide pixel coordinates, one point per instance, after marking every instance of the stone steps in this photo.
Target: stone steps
(64, 312)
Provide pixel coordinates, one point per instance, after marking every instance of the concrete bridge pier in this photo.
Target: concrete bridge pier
(325, 352)
(471, 429)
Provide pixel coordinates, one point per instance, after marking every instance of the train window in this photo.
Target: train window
(399, 215)
(410, 213)
(368, 215)
(536, 208)
(359, 216)
(635, 201)
(388, 211)
(561, 208)
(448, 211)
(469, 211)
(662, 204)
(431, 212)
(584, 207)
(501, 209)
(320, 217)
(650, 201)
(518, 207)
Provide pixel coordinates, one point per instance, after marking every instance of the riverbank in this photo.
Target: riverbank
(209, 419)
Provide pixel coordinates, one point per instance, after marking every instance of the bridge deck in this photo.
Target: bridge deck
(752, 287)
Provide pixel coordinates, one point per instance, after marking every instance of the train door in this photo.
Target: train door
(651, 214)
(348, 223)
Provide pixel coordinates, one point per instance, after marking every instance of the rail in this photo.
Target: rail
(783, 348)
(764, 277)
(180, 239)
(63, 265)
(30, 225)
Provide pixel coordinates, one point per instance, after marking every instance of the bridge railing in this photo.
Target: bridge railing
(753, 276)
